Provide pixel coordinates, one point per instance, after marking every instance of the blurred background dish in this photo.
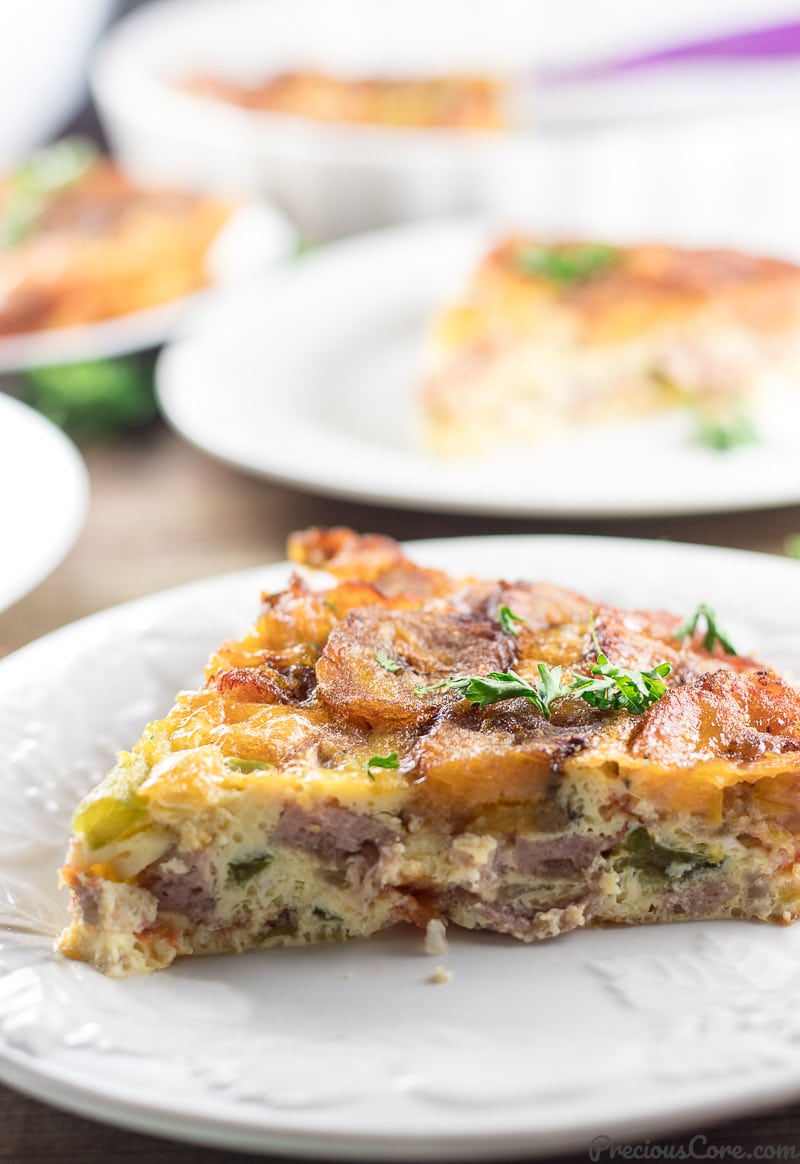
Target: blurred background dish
(331, 177)
(256, 236)
(334, 178)
(341, 416)
(92, 265)
(45, 491)
(44, 50)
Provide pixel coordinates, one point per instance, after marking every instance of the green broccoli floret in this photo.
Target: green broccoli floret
(93, 400)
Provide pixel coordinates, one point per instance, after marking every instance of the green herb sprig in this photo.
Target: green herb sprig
(731, 430)
(567, 263)
(713, 631)
(484, 690)
(390, 761)
(388, 663)
(508, 620)
(611, 688)
(607, 687)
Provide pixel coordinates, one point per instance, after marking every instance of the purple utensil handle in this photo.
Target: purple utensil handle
(777, 41)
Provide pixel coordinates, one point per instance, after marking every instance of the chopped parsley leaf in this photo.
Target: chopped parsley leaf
(713, 631)
(390, 761)
(567, 263)
(611, 688)
(388, 663)
(507, 620)
(498, 685)
(607, 688)
(729, 430)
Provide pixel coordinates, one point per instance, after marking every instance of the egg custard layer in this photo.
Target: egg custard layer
(403, 746)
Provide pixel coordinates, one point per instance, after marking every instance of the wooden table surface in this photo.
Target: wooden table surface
(162, 514)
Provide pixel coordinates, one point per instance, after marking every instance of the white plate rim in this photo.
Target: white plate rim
(144, 1114)
(72, 490)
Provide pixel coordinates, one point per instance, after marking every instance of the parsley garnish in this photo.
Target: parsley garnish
(498, 685)
(791, 545)
(619, 689)
(611, 688)
(607, 688)
(507, 618)
(390, 761)
(388, 663)
(713, 632)
(723, 432)
(567, 263)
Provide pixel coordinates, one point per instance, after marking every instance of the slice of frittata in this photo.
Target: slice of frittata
(402, 746)
(551, 336)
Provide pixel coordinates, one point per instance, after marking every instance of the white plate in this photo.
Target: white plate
(311, 380)
(349, 1051)
(256, 237)
(44, 491)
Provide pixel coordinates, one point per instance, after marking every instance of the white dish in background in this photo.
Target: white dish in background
(44, 491)
(338, 415)
(256, 237)
(335, 179)
(348, 1051)
(43, 74)
(331, 178)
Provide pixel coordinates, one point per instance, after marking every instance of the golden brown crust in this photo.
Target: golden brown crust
(740, 718)
(644, 287)
(455, 630)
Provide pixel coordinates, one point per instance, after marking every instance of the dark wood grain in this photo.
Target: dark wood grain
(161, 514)
(33, 1133)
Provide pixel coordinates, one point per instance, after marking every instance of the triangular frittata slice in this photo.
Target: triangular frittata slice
(401, 746)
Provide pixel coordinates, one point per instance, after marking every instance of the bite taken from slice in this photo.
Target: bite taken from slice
(389, 744)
